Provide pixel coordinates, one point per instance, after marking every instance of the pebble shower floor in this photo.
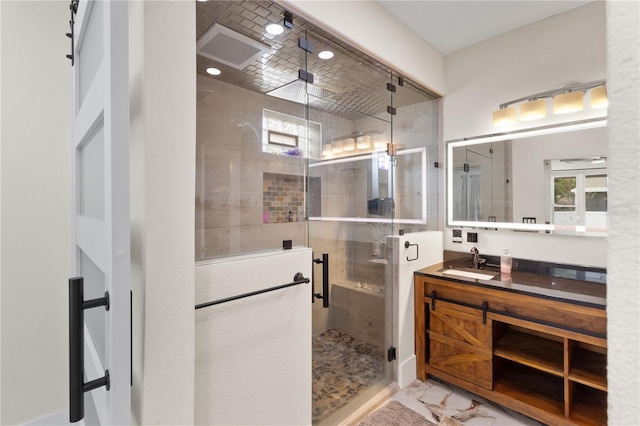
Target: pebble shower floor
(343, 368)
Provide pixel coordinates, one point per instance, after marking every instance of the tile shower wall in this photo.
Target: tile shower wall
(230, 167)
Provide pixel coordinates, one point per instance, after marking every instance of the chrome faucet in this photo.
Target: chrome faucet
(477, 260)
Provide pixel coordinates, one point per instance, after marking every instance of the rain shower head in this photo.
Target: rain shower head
(297, 91)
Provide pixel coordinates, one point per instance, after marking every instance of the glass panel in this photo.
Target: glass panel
(351, 205)
(94, 287)
(564, 201)
(596, 193)
(248, 189)
(410, 189)
(90, 52)
(91, 176)
(415, 125)
(596, 204)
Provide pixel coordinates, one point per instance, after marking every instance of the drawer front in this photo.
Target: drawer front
(584, 319)
(460, 344)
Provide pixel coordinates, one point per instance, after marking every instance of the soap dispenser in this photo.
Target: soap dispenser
(505, 262)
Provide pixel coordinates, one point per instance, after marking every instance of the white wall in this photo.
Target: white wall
(623, 292)
(429, 251)
(35, 242)
(369, 27)
(565, 48)
(253, 356)
(163, 99)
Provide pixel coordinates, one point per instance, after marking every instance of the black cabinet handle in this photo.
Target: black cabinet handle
(77, 386)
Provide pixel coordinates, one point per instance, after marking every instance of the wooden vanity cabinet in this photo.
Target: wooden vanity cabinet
(542, 357)
(460, 343)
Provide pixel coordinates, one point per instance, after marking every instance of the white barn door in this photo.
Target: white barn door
(100, 316)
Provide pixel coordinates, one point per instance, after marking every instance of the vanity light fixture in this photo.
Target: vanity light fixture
(533, 110)
(380, 141)
(504, 116)
(565, 103)
(363, 142)
(336, 147)
(566, 99)
(348, 144)
(599, 97)
(326, 149)
(213, 71)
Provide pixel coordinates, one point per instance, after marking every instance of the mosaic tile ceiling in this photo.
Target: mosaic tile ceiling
(356, 82)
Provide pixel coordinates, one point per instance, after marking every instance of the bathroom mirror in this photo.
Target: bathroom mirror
(372, 188)
(550, 180)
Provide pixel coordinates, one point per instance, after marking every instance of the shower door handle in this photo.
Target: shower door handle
(325, 281)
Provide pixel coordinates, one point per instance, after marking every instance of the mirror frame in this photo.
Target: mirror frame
(497, 137)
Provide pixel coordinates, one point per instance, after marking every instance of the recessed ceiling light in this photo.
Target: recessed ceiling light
(274, 29)
(214, 71)
(325, 54)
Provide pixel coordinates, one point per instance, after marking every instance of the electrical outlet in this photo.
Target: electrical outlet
(457, 236)
(472, 237)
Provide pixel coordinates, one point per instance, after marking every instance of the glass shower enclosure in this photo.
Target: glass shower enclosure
(328, 153)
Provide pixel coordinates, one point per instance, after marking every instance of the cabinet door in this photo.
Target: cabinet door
(460, 344)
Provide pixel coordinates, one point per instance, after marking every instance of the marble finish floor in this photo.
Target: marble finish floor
(343, 368)
(447, 405)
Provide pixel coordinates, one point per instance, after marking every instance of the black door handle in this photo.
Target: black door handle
(325, 281)
(77, 386)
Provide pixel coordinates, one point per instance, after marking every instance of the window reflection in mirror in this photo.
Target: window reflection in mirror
(555, 182)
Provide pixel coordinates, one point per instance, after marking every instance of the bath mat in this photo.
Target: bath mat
(394, 413)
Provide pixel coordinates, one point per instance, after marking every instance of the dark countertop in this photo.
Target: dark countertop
(590, 289)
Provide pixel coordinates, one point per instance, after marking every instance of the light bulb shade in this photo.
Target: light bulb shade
(533, 110)
(363, 142)
(504, 117)
(599, 97)
(326, 149)
(568, 102)
(380, 141)
(348, 144)
(336, 147)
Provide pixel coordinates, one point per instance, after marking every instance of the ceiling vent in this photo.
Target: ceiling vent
(229, 47)
(297, 91)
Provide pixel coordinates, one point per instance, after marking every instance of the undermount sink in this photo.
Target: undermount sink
(468, 274)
